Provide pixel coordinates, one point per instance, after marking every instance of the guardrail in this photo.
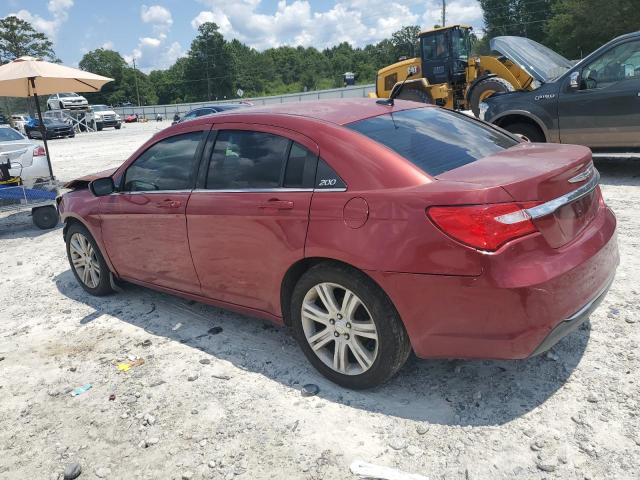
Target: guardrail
(167, 111)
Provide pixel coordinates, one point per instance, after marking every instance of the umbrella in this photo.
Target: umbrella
(28, 76)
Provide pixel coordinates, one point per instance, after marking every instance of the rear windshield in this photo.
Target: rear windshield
(9, 135)
(434, 139)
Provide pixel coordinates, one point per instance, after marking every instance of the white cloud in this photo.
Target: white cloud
(59, 10)
(152, 52)
(108, 45)
(358, 22)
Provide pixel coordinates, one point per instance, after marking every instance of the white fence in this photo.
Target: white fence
(167, 111)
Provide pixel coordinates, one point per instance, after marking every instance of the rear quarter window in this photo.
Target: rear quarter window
(434, 139)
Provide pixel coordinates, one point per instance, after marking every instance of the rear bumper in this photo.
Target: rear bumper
(522, 304)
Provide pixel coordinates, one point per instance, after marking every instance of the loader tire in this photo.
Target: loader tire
(486, 88)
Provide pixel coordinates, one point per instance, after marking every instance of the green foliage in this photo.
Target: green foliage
(18, 38)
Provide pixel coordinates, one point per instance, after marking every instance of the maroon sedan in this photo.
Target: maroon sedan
(370, 230)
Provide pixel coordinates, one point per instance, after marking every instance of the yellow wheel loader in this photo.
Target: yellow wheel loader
(446, 73)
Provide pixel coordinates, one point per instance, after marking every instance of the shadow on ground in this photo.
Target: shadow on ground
(437, 391)
(618, 171)
(20, 225)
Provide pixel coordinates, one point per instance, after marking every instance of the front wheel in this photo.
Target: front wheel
(86, 261)
(484, 89)
(347, 327)
(530, 132)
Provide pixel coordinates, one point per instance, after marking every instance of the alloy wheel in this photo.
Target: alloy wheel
(84, 260)
(339, 329)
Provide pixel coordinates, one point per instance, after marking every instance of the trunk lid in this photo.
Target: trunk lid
(559, 177)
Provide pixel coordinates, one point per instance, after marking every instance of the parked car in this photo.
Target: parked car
(131, 118)
(593, 103)
(370, 230)
(3, 120)
(18, 121)
(202, 111)
(28, 159)
(54, 128)
(68, 100)
(104, 116)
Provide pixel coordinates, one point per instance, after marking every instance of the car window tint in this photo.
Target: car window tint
(243, 159)
(434, 139)
(167, 165)
(327, 178)
(190, 115)
(9, 135)
(620, 63)
(204, 111)
(301, 168)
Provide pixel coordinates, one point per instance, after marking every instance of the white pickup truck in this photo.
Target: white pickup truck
(104, 116)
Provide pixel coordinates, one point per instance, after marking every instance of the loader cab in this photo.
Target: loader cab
(445, 54)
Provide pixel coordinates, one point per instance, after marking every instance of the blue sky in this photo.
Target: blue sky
(156, 33)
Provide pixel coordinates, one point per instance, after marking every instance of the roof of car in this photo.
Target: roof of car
(338, 111)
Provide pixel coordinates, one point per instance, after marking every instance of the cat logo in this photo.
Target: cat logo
(413, 69)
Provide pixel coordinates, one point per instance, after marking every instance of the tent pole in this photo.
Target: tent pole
(43, 131)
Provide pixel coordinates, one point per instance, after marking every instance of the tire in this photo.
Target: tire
(80, 247)
(374, 314)
(415, 95)
(527, 130)
(118, 126)
(99, 127)
(485, 88)
(45, 218)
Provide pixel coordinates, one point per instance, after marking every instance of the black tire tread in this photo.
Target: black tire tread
(482, 86)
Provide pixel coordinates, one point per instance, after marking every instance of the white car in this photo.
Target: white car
(104, 116)
(68, 100)
(18, 120)
(28, 159)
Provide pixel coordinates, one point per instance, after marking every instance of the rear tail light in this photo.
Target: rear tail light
(485, 227)
(39, 151)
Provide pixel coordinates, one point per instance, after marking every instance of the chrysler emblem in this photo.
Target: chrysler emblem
(582, 175)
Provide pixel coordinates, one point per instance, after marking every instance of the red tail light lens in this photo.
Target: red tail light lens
(39, 151)
(485, 227)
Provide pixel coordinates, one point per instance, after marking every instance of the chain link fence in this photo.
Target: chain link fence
(168, 111)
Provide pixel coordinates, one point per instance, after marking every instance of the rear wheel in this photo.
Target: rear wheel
(347, 327)
(86, 261)
(484, 89)
(527, 130)
(415, 95)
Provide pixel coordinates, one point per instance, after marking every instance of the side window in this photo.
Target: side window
(327, 178)
(620, 63)
(204, 111)
(243, 159)
(167, 165)
(190, 115)
(301, 168)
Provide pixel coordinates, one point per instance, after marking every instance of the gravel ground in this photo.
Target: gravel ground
(219, 394)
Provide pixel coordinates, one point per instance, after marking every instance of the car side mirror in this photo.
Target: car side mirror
(574, 80)
(102, 186)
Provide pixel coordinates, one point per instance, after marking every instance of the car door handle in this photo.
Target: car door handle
(168, 203)
(277, 204)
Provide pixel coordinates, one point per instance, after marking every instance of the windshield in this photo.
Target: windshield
(460, 42)
(69, 94)
(9, 135)
(540, 62)
(100, 108)
(433, 139)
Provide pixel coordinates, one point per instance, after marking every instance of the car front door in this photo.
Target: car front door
(144, 224)
(604, 111)
(247, 221)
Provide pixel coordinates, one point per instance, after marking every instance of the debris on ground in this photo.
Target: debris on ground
(310, 389)
(80, 390)
(72, 471)
(371, 471)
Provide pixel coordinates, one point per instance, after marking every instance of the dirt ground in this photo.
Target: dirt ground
(219, 394)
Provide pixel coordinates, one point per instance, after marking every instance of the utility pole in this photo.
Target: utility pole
(135, 79)
(444, 14)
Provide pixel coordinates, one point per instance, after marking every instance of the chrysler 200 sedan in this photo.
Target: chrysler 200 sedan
(370, 230)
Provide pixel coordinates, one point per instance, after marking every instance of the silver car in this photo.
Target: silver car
(66, 100)
(28, 159)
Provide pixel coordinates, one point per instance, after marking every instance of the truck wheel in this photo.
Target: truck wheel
(484, 89)
(527, 130)
(45, 217)
(415, 95)
(99, 127)
(117, 127)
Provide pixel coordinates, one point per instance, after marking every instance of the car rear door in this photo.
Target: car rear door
(605, 111)
(247, 221)
(144, 224)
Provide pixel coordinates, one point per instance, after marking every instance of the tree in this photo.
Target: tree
(107, 63)
(18, 38)
(577, 27)
(405, 41)
(523, 18)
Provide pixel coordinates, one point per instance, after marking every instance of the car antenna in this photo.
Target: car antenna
(394, 94)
